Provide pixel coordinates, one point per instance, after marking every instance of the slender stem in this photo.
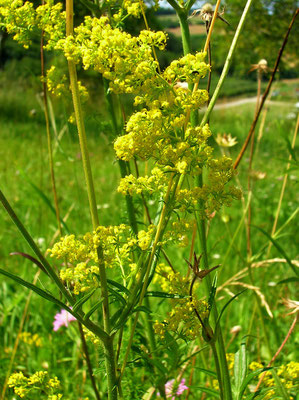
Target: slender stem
(110, 368)
(215, 14)
(251, 130)
(108, 340)
(224, 376)
(158, 235)
(80, 122)
(249, 180)
(35, 248)
(227, 64)
(88, 362)
(218, 370)
(49, 140)
(210, 63)
(186, 40)
(278, 351)
(14, 350)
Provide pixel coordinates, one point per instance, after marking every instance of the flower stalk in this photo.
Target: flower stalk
(108, 340)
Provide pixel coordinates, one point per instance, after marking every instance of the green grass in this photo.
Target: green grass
(24, 157)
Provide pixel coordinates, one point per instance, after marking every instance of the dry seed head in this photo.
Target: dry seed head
(263, 63)
(206, 12)
(235, 329)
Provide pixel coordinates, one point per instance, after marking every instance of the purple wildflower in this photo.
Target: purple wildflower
(172, 390)
(62, 318)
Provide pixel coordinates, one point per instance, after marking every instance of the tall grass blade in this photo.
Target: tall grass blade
(36, 289)
(45, 199)
(279, 248)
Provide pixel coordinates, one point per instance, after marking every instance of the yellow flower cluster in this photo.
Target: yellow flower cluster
(155, 183)
(181, 318)
(145, 237)
(111, 245)
(178, 233)
(37, 383)
(288, 375)
(22, 20)
(30, 339)
(215, 192)
(126, 61)
(189, 68)
(129, 7)
(91, 336)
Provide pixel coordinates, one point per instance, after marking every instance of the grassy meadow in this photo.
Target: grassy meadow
(25, 180)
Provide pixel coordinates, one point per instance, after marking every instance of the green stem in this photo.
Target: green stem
(144, 283)
(108, 342)
(224, 375)
(35, 249)
(227, 393)
(50, 271)
(186, 40)
(88, 362)
(110, 368)
(226, 64)
(49, 140)
(218, 370)
(80, 122)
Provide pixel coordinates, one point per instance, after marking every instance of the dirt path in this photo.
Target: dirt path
(249, 100)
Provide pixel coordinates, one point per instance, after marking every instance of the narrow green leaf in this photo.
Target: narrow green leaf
(213, 291)
(279, 248)
(117, 295)
(118, 286)
(36, 289)
(240, 369)
(207, 372)
(249, 378)
(164, 295)
(194, 354)
(252, 395)
(212, 392)
(32, 259)
(288, 280)
(83, 300)
(142, 309)
(279, 386)
(224, 308)
(44, 198)
(93, 309)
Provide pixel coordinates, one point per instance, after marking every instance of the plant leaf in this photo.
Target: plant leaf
(279, 386)
(249, 378)
(83, 300)
(117, 295)
(279, 248)
(164, 295)
(240, 369)
(288, 280)
(213, 292)
(93, 309)
(37, 290)
(118, 286)
(44, 198)
(224, 308)
(212, 392)
(142, 309)
(32, 259)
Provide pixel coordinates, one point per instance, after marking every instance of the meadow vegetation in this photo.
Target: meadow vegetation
(177, 214)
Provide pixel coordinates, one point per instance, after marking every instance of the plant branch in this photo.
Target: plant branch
(227, 64)
(264, 97)
(277, 353)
